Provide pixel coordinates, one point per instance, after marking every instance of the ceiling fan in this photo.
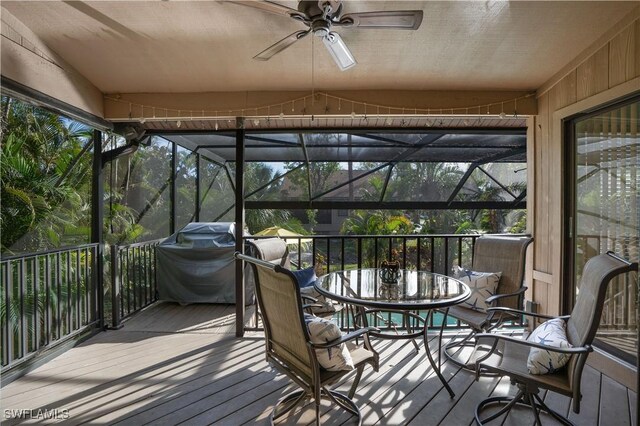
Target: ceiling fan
(320, 16)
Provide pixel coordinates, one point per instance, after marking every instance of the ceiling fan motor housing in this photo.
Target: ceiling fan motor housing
(315, 9)
(321, 27)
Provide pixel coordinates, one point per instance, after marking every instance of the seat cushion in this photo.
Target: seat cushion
(550, 333)
(482, 285)
(513, 363)
(474, 319)
(324, 331)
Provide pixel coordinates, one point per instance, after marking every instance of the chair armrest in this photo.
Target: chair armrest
(308, 299)
(497, 337)
(312, 305)
(344, 338)
(530, 314)
(491, 299)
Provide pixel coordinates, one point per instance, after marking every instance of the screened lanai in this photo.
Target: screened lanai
(370, 169)
(489, 117)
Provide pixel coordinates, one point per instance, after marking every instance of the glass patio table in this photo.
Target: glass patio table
(413, 291)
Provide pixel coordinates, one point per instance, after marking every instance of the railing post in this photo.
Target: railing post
(240, 293)
(97, 214)
(115, 288)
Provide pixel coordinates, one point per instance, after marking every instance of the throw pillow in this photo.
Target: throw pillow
(481, 284)
(305, 277)
(550, 333)
(324, 331)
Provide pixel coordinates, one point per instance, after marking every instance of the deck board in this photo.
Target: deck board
(175, 364)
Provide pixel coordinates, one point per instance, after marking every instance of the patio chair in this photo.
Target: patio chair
(275, 250)
(289, 346)
(272, 250)
(581, 327)
(505, 254)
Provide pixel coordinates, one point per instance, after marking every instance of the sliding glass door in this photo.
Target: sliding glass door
(604, 214)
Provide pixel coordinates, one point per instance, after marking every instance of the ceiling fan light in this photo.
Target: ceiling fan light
(339, 51)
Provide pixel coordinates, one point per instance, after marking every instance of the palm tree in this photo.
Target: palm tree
(45, 178)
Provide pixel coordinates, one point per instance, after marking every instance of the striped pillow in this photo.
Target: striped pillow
(324, 331)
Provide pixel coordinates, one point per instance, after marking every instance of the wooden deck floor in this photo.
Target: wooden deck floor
(182, 365)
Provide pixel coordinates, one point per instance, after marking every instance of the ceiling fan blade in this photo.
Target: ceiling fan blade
(279, 46)
(339, 51)
(397, 19)
(268, 6)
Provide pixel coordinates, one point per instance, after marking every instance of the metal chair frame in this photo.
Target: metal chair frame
(567, 381)
(316, 386)
(494, 319)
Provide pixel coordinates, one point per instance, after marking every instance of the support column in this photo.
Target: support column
(197, 212)
(239, 225)
(97, 214)
(172, 189)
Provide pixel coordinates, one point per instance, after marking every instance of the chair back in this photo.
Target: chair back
(583, 323)
(504, 254)
(272, 250)
(282, 315)
(596, 275)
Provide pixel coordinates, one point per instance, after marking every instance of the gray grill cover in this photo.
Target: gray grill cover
(196, 265)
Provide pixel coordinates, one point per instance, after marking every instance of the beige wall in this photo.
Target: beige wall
(28, 61)
(607, 71)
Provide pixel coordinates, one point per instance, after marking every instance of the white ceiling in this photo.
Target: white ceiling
(201, 46)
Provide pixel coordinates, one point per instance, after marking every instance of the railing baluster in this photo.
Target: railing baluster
(328, 255)
(78, 291)
(91, 293)
(3, 329)
(8, 308)
(68, 280)
(48, 289)
(155, 272)
(124, 288)
(446, 255)
(418, 249)
(36, 304)
(404, 252)
(137, 276)
(115, 287)
(433, 254)
(58, 296)
(23, 317)
(147, 288)
(375, 253)
(131, 276)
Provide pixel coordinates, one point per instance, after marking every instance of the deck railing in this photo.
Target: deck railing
(51, 296)
(47, 298)
(434, 253)
(133, 279)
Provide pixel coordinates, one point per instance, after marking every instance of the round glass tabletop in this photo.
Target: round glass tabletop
(413, 290)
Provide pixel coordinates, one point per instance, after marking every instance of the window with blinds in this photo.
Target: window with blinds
(607, 216)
